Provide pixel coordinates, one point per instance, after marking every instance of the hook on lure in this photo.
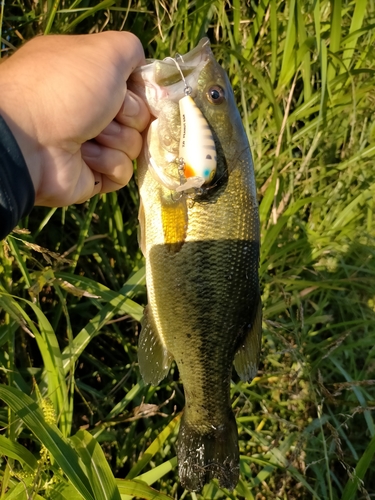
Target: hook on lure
(197, 152)
(188, 90)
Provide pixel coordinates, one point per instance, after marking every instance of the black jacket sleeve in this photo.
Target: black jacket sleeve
(17, 194)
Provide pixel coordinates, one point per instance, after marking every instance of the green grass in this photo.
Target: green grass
(72, 287)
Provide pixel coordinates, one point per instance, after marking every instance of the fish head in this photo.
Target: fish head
(215, 98)
(163, 84)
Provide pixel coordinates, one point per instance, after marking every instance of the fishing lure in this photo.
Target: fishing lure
(197, 151)
(197, 147)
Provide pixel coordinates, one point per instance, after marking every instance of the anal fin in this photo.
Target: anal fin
(246, 359)
(153, 357)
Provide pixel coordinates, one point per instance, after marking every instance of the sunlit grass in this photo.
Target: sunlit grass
(72, 290)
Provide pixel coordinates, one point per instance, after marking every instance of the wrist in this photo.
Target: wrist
(14, 109)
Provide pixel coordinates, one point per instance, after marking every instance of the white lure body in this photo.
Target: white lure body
(197, 146)
(196, 164)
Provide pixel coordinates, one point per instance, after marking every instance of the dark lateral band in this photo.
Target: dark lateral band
(17, 194)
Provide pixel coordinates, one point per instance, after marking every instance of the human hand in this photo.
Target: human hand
(66, 101)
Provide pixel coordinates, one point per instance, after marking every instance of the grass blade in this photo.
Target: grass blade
(105, 4)
(18, 452)
(158, 472)
(118, 302)
(355, 26)
(289, 60)
(306, 60)
(133, 488)
(32, 416)
(21, 490)
(50, 352)
(154, 447)
(64, 491)
(358, 393)
(273, 15)
(363, 464)
(97, 469)
(335, 35)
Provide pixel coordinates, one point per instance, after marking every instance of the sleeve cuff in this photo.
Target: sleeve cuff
(17, 195)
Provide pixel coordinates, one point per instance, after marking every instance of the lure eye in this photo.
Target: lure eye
(215, 94)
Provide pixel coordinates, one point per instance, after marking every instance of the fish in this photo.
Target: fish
(199, 233)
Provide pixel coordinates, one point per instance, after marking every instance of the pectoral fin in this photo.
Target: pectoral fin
(153, 358)
(142, 228)
(175, 221)
(246, 359)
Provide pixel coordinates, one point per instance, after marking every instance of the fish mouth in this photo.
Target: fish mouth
(191, 58)
(168, 79)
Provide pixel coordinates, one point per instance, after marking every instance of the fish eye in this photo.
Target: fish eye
(215, 94)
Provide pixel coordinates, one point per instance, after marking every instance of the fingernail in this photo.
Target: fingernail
(113, 128)
(91, 149)
(131, 105)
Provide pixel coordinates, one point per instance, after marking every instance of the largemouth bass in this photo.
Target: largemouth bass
(199, 229)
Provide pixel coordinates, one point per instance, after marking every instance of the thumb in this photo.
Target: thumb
(127, 48)
(115, 54)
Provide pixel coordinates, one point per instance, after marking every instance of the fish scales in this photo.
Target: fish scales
(202, 258)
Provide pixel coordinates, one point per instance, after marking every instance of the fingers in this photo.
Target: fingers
(134, 112)
(115, 166)
(121, 137)
(110, 155)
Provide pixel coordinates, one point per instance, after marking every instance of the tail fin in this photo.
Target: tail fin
(203, 456)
